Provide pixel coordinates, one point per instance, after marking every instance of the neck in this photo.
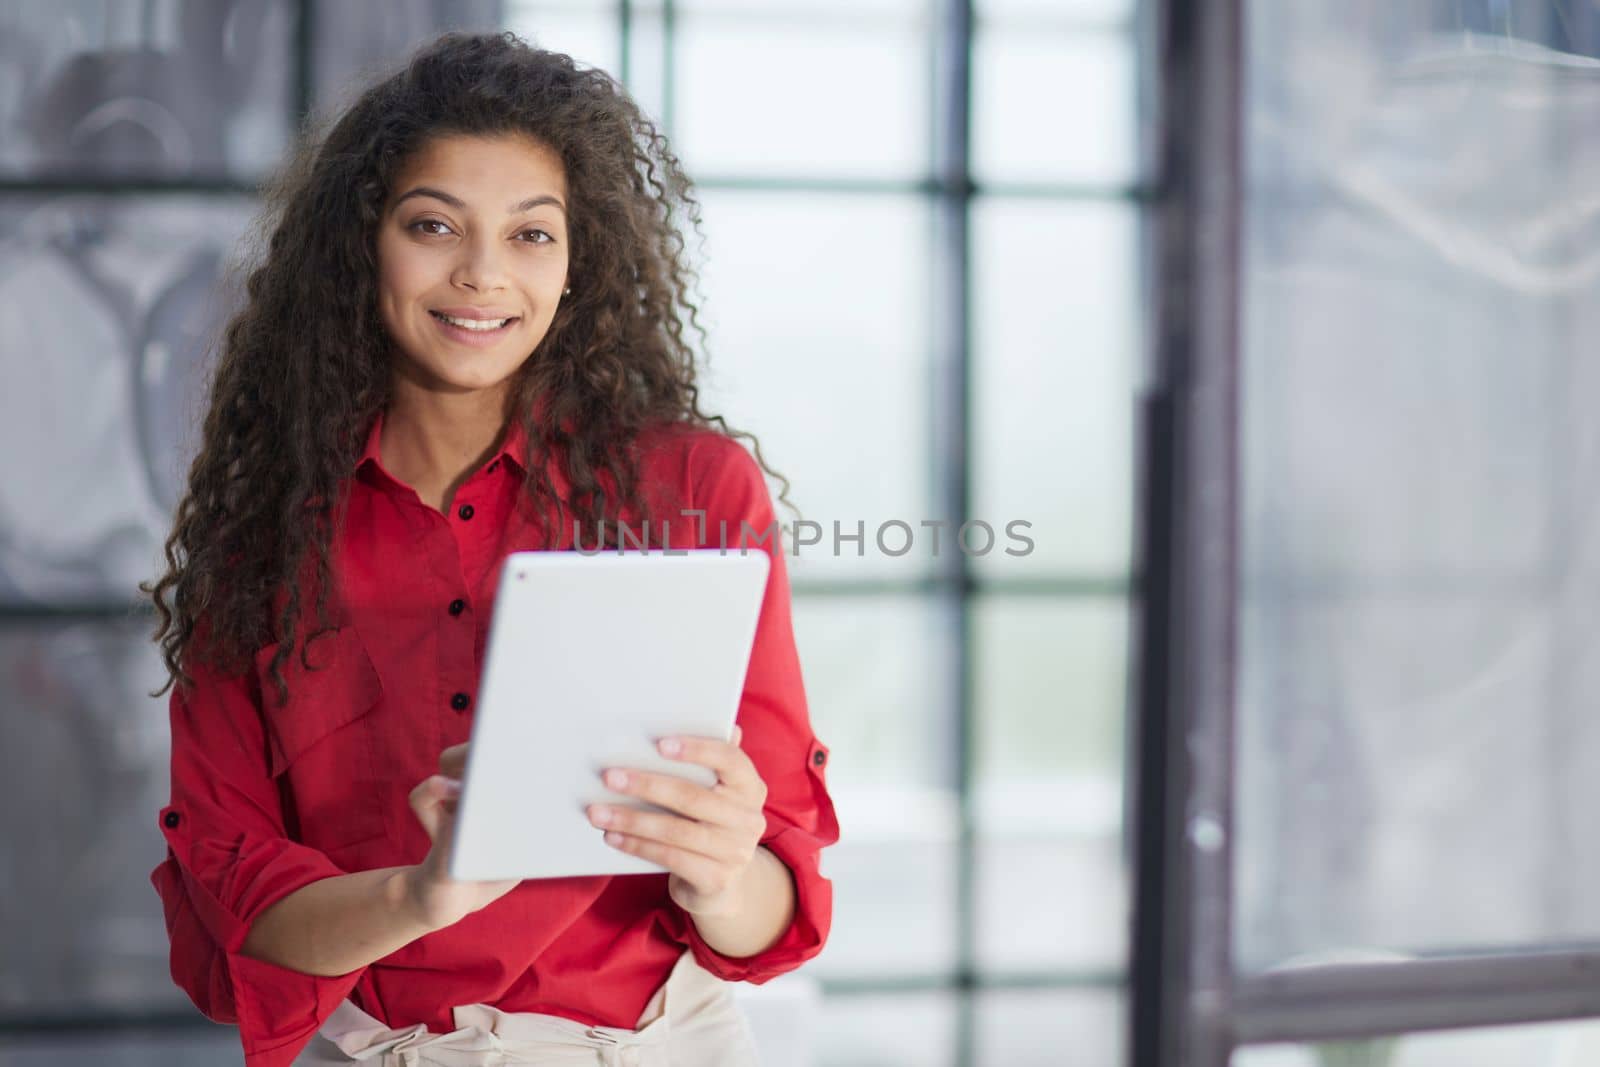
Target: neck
(432, 441)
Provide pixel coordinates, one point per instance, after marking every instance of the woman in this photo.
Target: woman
(465, 338)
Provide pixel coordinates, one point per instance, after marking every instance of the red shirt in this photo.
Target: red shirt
(267, 798)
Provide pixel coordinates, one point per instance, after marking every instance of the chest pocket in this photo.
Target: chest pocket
(323, 742)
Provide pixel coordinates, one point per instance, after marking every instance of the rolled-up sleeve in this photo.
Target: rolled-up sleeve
(228, 860)
(776, 728)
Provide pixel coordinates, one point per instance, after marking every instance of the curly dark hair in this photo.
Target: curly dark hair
(305, 366)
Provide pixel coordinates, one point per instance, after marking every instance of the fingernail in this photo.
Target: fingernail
(671, 746)
(613, 838)
(616, 779)
(601, 815)
(452, 787)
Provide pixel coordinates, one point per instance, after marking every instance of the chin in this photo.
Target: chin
(456, 375)
(485, 379)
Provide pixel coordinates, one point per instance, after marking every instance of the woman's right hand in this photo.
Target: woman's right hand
(436, 898)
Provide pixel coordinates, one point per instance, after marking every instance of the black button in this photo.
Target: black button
(465, 511)
(457, 606)
(171, 819)
(819, 758)
(460, 701)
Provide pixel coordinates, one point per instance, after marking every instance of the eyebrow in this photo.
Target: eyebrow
(460, 205)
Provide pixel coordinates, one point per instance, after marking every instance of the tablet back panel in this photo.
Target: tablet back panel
(592, 659)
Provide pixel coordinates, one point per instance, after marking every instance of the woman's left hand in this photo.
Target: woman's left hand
(708, 837)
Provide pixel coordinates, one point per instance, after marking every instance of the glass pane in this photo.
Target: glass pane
(590, 33)
(784, 1015)
(1079, 924)
(114, 386)
(888, 1030)
(894, 889)
(93, 89)
(1049, 1028)
(648, 65)
(878, 686)
(1081, 12)
(878, 675)
(1416, 680)
(834, 9)
(1564, 1044)
(1051, 692)
(352, 47)
(1055, 356)
(1052, 104)
(817, 309)
(200, 1049)
(752, 98)
(82, 931)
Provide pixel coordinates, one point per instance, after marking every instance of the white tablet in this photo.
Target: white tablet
(592, 658)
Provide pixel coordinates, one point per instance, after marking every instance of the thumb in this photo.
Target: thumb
(433, 802)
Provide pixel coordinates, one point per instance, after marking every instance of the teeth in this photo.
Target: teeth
(473, 324)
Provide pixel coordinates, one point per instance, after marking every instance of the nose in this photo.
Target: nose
(481, 266)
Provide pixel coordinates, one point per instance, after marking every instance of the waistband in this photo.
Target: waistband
(692, 1018)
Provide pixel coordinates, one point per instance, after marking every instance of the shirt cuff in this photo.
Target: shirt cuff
(807, 932)
(277, 1010)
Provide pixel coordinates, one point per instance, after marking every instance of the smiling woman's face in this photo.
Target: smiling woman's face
(476, 231)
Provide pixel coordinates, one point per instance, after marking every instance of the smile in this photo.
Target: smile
(474, 333)
(475, 325)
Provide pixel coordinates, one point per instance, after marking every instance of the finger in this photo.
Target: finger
(732, 765)
(738, 734)
(705, 874)
(453, 760)
(731, 844)
(427, 800)
(680, 795)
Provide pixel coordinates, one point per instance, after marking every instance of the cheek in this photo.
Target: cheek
(548, 276)
(552, 269)
(400, 274)
(386, 284)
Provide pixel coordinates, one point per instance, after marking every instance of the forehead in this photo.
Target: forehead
(485, 170)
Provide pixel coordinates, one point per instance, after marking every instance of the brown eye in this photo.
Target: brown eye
(417, 226)
(547, 238)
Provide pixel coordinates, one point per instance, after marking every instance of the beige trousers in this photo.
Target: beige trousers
(691, 1021)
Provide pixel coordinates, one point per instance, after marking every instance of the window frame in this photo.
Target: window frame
(1188, 1006)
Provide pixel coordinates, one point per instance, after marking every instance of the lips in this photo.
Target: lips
(473, 336)
(444, 315)
(473, 313)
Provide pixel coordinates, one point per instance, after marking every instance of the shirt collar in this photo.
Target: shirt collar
(513, 449)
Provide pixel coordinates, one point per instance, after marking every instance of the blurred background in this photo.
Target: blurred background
(927, 247)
